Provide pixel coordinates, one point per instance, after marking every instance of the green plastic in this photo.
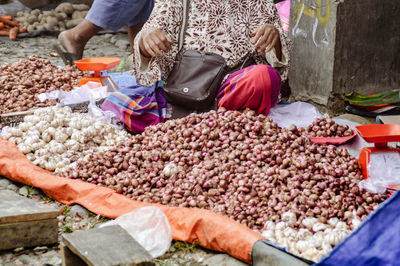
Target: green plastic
(389, 97)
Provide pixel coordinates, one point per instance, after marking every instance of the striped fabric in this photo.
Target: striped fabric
(256, 87)
(138, 112)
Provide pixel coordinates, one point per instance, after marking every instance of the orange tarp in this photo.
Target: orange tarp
(211, 230)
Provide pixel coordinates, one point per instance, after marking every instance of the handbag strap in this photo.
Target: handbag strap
(185, 15)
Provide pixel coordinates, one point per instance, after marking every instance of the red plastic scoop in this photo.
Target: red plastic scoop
(332, 140)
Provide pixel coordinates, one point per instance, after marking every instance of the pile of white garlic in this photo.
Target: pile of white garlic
(313, 242)
(55, 138)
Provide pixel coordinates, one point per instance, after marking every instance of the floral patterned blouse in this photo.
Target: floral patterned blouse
(219, 26)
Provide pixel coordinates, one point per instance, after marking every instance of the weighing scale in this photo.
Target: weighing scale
(380, 135)
(96, 65)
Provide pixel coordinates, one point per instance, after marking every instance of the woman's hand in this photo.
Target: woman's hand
(265, 38)
(154, 42)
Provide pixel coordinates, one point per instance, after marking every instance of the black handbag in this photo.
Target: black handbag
(194, 80)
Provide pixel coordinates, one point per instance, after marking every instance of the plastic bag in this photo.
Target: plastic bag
(149, 227)
(101, 115)
(384, 170)
(77, 95)
(300, 114)
(13, 8)
(284, 13)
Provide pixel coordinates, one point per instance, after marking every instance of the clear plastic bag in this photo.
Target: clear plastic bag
(384, 170)
(149, 227)
(77, 95)
(101, 115)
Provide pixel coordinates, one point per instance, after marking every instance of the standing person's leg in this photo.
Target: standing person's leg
(74, 40)
(107, 14)
(132, 32)
(136, 23)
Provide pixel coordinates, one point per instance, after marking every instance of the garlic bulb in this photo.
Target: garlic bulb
(303, 233)
(16, 132)
(355, 222)
(52, 131)
(289, 217)
(309, 222)
(333, 221)
(289, 233)
(170, 170)
(25, 149)
(311, 253)
(269, 225)
(60, 137)
(302, 245)
(341, 225)
(269, 234)
(55, 138)
(46, 137)
(24, 126)
(281, 226)
(319, 227)
(6, 135)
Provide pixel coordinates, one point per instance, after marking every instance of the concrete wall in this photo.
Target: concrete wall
(341, 46)
(367, 54)
(312, 31)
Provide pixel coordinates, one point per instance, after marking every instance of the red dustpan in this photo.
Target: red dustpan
(333, 140)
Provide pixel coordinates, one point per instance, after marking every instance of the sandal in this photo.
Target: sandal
(68, 58)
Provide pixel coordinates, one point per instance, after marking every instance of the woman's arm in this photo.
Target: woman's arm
(264, 16)
(156, 45)
(265, 38)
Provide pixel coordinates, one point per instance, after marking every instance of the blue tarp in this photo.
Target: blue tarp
(375, 242)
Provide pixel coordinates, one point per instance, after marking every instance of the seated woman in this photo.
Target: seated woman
(230, 28)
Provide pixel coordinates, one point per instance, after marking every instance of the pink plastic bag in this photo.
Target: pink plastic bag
(284, 12)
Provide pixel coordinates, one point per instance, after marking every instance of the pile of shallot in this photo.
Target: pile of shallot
(326, 127)
(237, 164)
(22, 81)
(54, 137)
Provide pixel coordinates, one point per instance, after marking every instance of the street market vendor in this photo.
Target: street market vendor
(231, 29)
(111, 15)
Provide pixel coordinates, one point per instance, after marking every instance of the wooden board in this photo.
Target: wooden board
(15, 208)
(390, 119)
(28, 234)
(107, 246)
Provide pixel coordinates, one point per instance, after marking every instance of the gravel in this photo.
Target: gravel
(98, 46)
(23, 191)
(79, 211)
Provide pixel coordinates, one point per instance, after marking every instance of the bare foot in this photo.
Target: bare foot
(72, 42)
